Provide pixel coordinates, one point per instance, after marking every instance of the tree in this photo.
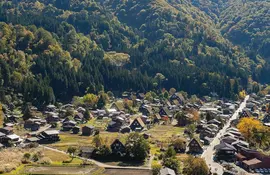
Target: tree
(27, 113)
(172, 91)
(156, 167)
(71, 151)
(195, 166)
(110, 94)
(97, 141)
(101, 102)
(86, 115)
(172, 163)
(170, 152)
(90, 100)
(26, 157)
(179, 145)
(247, 126)
(137, 147)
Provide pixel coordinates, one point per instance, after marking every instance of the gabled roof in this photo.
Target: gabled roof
(2, 134)
(51, 132)
(224, 147)
(167, 111)
(139, 121)
(195, 140)
(89, 126)
(167, 171)
(157, 115)
(252, 161)
(117, 141)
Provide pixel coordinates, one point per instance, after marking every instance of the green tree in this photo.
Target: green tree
(156, 168)
(137, 147)
(172, 163)
(179, 145)
(195, 166)
(86, 115)
(170, 152)
(71, 151)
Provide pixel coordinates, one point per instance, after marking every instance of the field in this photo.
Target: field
(165, 132)
(67, 139)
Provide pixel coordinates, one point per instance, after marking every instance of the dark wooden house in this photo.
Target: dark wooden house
(118, 147)
(137, 125)
(88, 130)
(225, 151)
(194, 146)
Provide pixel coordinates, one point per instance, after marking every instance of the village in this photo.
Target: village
(206, 128)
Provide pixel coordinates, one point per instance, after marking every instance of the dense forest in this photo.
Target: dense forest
(54, 49)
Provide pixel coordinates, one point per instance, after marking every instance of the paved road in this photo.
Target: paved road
(209, 152)
(100, 164)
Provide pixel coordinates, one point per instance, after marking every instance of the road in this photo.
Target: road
(100, 164)
(209, 152)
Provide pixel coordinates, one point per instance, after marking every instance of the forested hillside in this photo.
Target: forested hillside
(55, 49)
(244, 22)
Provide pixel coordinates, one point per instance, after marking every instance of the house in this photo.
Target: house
(239, 144)
(140, 96)
(119, 106)
(194, 146)
(137, 125)
(251, 159)
(164, 112)
(88, 130)
(7, 130)
(118, 147)
(207, 132)
(50, 108)
(207, 140)
(32, 140)
(156, 118)
(13, 138)
(146, 110)
(2, 137)
(185, 119)
(245, 113)
(215, 122)
(225, 151)
(266, 118)
(86, 151)
(49, 136)
(228, 139)
(32, 125)
(179, 97)
(81, 110)
(76, 129)
(12, 118)
(125, 129)
(68, 125)
(114, 126)
(79, 117)
(166, 171)
(52, 118)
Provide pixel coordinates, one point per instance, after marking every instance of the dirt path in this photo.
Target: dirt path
(100, 164)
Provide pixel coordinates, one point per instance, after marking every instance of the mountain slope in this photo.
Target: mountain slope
(122, 45)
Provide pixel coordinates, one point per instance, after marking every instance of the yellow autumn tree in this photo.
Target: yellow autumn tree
(247, 126)
(242, 94)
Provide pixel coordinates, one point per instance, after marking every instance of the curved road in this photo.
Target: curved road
(100, 164)
(209, 152)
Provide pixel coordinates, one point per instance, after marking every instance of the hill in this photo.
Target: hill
(71, 47)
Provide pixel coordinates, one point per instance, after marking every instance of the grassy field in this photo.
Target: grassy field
(165, 133)
(67, 139)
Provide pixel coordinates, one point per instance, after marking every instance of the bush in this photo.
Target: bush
(156, 168)
(45, 161)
